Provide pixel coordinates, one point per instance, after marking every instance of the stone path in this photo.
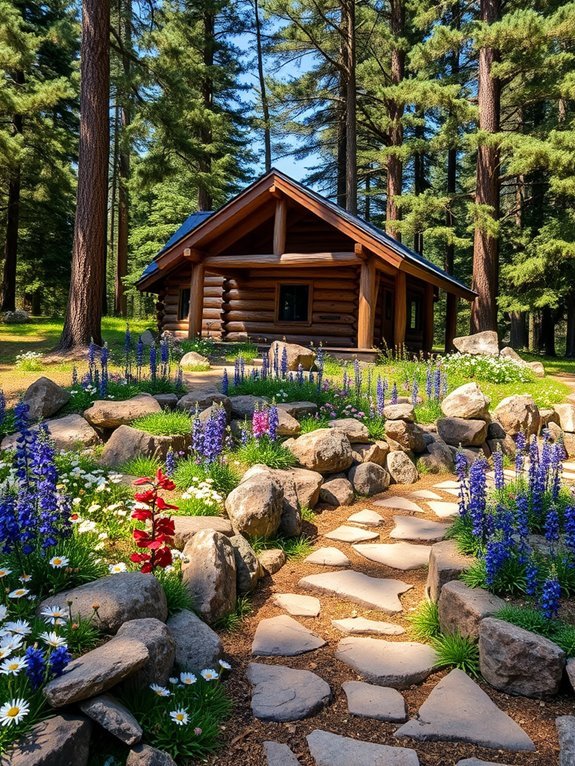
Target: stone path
(283, 637)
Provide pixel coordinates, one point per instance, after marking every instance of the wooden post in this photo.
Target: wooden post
(400, 313)
(280, 221)
(428, 317)
(196, 301)
(450, 321)
(367, 296)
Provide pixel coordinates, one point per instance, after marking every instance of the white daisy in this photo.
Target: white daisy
(161, 691)
(12, 667)
(13, 711)
(25, 578)
(19, 593)
(53, 639)
(3, 612)
(55, 615)
(225, 665)
(11, 643)
(209, 674)
(188, 678)
(20, 627)
(5, 572)
(59, 562)
(117, 568)
(173, 680)
(180, 717)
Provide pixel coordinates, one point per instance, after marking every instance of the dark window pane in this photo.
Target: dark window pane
(184, 309)
(293, 303)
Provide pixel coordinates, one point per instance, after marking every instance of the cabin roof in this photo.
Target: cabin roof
(195, 222)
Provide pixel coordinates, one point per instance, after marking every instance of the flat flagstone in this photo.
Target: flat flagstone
(329, 749)
(458, 710)
(376, 592)
(424, 494)
(283, 637)
(328, 557)
(379, 702)
(298, 605)
(444, 509)
(478, 762)
(388, 663)
(367, 517)
(449, 484)
(411, 528)
(280, 693)
(454, 492)
(278, 754)
(570, 466)
(361, 626)
(345, 534)
(399, 504)
(397, 555)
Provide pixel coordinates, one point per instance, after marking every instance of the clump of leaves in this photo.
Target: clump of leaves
(455, 650)
(294, 547)
(561, 633)
(177, 595)
(141, 466)
(265, 451)
(425, 621)
(310, 423)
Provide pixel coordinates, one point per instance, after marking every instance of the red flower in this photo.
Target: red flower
(158, 537)
(145, 497)
(144, 480)
(142, 514)
(163, 481)
(163, 506)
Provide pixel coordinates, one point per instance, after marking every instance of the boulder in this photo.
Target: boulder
(209, 574)
(126, 443)
(278, 754)
(67, 433)
(167, 401)
(354, 429)
(248, 568)
(44, 398)
(467, 401)
(337, 492)
(537, 368)
(96, 671)
(399, 412)
(569, 444)
(307, 484)
(187, 526)
(326, 450)
(548, 415)
(148, 338)
(63, 740)
(119, 598)
(290, 522)
(298, 409)
(202, 398)
(146, 755)
(371, 453)
(566, 414)
(458, 431)
(401, 468)
(287, 424)
(484, 343)
(446, 563)
(409, 436)
(255, 506)
(296, 355)
(193, 359)
(245, 405)
(161, 649)
(438, 460)
(111, 414)
(506, 445)
(369, 479)
(211, 411)
(462, 608)
(516, 661)
(518, 413)
(114, 717)
(272, 559)
(197, 645)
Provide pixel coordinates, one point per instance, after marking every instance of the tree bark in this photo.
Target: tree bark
(205, 200)
(485, 244)
(419, 180)
(124, 153)
(84, 311)
(348, 25)
(519, 334)
(547, 335)
(454, 67)
(341, 140)
(263, 91)
(394, 163)
(570, 339)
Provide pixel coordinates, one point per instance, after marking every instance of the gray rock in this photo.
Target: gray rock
(187, 526)
(167, 401)
(517, 661)
(202, 398)
(402, 556)
(570, 670)
(399, 412)
(107, 413)
(255, 507)
(371, 453)
(337, 492)
(197, 646)
(295, 353)
(286, 694)
(120, 597)
(248, 568)
(462, 608)
(457, 431)
(408, 436)
(330, 749)
(283, 636)
(126, 443)
(145, 755)
(325, 450)
(518, 413)
(510, 353)
(398, 664)
(193, 359)
(401, 468)
(161, 649)
(97, 671)
(367, 518)
(566, 414)
(298, 409)
(458, 710)
(148, 338)
(467, 401)
(484, 343)
(63, 740)
(477, 762)
(347, 534)
(297, 605)
(278, 754)
(300, 488)
(328, 557)
(114, 717)
(245, 405)
(538, 369)
(272, 559)
(44, 398)
(379, 702)
(411, 528)
(67, 433)
(375, 592)
(210, 574)
(446, 563)
(565, 725)
(354, 429)
(369, 479)
(307, 484)
(438, 460)
(360, 626)
(287, 424)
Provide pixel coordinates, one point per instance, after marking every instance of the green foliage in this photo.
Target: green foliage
(203, 346)
(246, 351)
(81, 634)
(141, 466)
(308, 514)
(233, 622)
(224, 477)
(29, 361)
(561, 633)
(454, 650)
(424, 621)
(280, 390)
(428, 411)
(177, 595)
(295, 548)
(310, 423)
(375, 426)
(266, 452)
(164, 423)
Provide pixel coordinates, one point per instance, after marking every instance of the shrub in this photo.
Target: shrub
(454, 650)
(561, 633)
(265, 451)
(425, 621)
(164, 423)
(310, 423)
(375, 426)
(294, 547)
(428, 411)
(200, 499)
(493, 369)
(29, 361)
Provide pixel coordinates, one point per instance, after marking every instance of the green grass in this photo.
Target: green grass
(177, 595)
(295, 548)
(308, 514)
(232, 623)
(561, 633)
(247, 351)
(164, 423)
(310, 423)
(141, 466)
(266, 452)
(225, 477)
(425, 621)
(194, 506)
(456, 651)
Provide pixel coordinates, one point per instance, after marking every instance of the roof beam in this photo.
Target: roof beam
(267, 260)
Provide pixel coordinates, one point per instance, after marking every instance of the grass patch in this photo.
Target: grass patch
(425, 621)
(428, 411)
(141, 466)
(561, 633)
(310, 423)
(233, 622)
(375, 427)
(224, 477)
(456, 651)
(295, 548)
(307, 514)
(164, 423)
(266, 452)
(177, 595)
(246, 351)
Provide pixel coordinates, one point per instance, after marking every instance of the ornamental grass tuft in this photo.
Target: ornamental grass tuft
(165, 423)
(454, 650)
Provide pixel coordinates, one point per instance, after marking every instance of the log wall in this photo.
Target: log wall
(212, 313)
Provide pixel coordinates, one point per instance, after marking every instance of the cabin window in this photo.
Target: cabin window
(414, 313)
(293, 303)
(184, 307)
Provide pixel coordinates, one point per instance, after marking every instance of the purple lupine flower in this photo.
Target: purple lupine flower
(428, 382)
(242, 369)
(2, 407)
(127, 341)
(498, 469)
(265, 365)
(140, 354)
(551, 526)
(379, 396)
(461, 471)
(299, 375)
(549, 601)
(414, 392)
(357, 378)
(164, 350)
(276, 360)
(496, 555)
(557, 456)
(23, 440)
(545, 463)
(225, 382)
(477, 496)
(35, 667)
(260, 422)
(179, 378)
(91, 359)
(59, 660)
(444, 384)
(215, 435)
(521, 444)
(522, 516)
(197, 435)
(273, 422)
(345, 382)
(284, 362)
(153, 361)
(568, 525)
(9, 527)
(394, 394)
(437, 383)
(237, 371)
(53, 521)
(104, 356)
(531, 578)
(170, 465)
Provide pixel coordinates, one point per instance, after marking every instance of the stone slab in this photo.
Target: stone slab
(398, 664)
(458, 710)
(280, 693)
(565, 725)
(449, 484)
(399, 504)
(402, 556)
(278, 754)
(424, 494)
(367, 517)
(444, 509)
(379, 702)
(345, 534)
(297, 605)
(283, 636)
(328, 557)
(378, 593)
(329, 749)
(411, 528)
(361, 626)
(113, 717)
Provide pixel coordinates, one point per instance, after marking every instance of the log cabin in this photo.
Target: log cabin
(279, 261)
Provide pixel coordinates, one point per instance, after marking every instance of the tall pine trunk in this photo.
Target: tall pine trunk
(419, 178)
(348, 26)
(124, 152)
(263, 90)
(84, 310)
(205, 162)
(395, 107)
(485, 244)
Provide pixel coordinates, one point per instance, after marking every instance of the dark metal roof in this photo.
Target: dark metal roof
(194, 220)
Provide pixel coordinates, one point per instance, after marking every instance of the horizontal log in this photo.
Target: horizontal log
(325, 340)
(247, 305)
(335, 317)
(321, 295)
(259, 327)
(252, 316)
(287, 259)
(301, 273)
(269, 283)
(213, 303)
(334, 306)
